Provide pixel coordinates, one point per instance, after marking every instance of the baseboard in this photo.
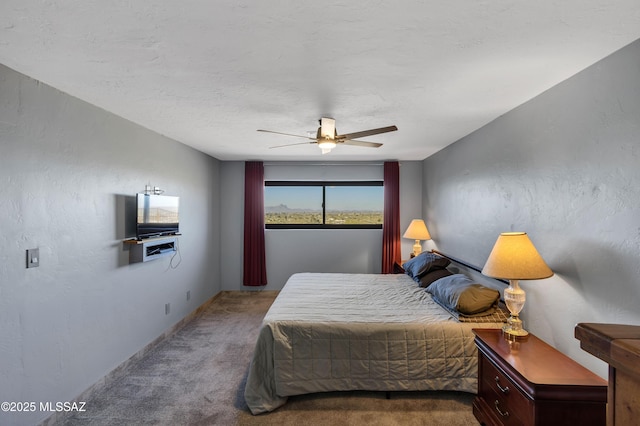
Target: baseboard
(121, 369)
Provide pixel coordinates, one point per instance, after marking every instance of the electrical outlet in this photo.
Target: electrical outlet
(167, 308)
(33, 258)
(188, 295)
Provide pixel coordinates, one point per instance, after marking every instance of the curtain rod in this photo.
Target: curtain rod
(313, 163)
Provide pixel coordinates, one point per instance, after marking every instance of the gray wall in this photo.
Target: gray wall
(68, 170)
(564, 167)
(290, 251)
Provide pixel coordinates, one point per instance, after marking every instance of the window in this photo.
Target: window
(323, 205)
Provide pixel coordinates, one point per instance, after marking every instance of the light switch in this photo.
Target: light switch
(33, 258)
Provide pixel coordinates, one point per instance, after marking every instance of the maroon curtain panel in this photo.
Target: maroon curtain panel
(391, 219)
(255, 265)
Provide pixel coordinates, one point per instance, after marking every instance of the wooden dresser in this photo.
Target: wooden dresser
(619, 346)
(528, 382)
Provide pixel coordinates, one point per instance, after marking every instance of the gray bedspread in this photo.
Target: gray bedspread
(339, 332)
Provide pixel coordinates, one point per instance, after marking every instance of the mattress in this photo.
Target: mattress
(341, 332)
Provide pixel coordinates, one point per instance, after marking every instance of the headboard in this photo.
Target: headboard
(474, 272)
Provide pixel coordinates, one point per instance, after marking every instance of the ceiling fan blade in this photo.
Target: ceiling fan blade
(365, 133)
(361, 143)
(292, 144)
(286, 134)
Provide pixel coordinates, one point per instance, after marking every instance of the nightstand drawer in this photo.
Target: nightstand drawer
(501, 409)
(501, 395)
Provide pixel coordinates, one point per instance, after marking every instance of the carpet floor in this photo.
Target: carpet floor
(197, 377)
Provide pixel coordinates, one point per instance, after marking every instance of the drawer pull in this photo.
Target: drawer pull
(505, 414)
(502, 389)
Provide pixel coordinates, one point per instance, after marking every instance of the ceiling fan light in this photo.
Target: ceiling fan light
(327, 144)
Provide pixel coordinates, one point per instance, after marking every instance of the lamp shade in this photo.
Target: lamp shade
(515, 258)
(417, 230)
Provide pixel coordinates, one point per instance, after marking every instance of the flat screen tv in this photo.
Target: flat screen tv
(156, 215)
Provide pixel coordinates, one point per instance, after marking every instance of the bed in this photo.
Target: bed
(341, 332)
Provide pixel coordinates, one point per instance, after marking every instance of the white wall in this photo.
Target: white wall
(564, 167)
(290, 251)
(68, 171)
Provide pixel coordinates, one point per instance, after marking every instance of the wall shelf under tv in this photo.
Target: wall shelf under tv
(151, 248)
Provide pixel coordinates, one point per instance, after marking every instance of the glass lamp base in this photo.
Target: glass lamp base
(514, 298)
(516, 333)
(513, 327)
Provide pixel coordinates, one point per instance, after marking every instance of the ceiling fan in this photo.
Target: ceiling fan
(328, 138)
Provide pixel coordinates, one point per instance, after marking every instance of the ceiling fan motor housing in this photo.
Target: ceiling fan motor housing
(327, 129)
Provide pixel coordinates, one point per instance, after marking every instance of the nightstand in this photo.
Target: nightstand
(528, 382)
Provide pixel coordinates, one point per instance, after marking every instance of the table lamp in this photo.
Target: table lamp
(515, 258)
(417, 230)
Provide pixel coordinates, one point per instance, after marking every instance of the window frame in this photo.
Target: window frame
(323, 184)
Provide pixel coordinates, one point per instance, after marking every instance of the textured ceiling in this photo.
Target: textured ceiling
(210, 73)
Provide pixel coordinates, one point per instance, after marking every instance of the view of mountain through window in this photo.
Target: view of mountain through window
(344, 204)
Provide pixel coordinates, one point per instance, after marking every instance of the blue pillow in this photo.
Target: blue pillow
(460, 293)
(423, 263)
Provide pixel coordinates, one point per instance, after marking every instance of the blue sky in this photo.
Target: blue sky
(338, 197)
